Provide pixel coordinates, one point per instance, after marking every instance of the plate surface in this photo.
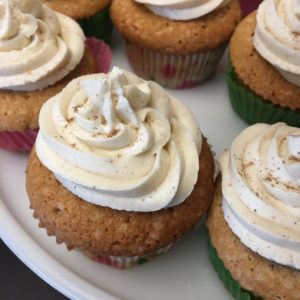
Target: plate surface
(183, 273)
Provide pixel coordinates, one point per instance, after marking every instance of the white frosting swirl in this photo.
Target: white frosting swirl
(38, 47)
(261, 191)
(277, 36)
(183, 9)
(119, 141)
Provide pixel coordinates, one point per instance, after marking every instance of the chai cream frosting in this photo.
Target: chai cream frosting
(182, 9)
(38, 47)
(119, 141)
(277, 36)
(261, 191)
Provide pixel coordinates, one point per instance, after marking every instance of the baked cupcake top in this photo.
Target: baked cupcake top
(119, 141)
(277, 36)
(38, 47)
(77, 9)
(138, 24)
(182, 9)
(261, 191)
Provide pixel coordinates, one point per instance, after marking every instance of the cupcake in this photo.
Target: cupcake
(254, 221)
(264, 75)
(175, 43)
(120, 169)
(40, 51)
(93, 16)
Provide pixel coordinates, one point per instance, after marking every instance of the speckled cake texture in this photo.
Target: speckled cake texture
(254, 273)
(256, 73)
(19, 110)
(77, 9)
(104, 231)
(138, 25)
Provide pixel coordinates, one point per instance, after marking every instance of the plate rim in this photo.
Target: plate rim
(58, 275)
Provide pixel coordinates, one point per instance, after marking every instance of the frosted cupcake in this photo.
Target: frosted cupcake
(175, 43)
(120, 169)
(254, 222)
(40, 52)
(93, 16)
(264, 79)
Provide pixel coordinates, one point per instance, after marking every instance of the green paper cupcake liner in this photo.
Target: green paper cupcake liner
(253, 109)
(232, 286)
(99, 25)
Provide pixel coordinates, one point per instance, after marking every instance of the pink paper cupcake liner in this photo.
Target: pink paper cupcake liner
(173, 70)
(101, 52)
(24, 140)
(249, 5)
(18, 141)
(127, 262)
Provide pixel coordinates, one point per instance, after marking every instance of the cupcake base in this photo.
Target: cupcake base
(98, 229)
(173, 70)
(254, 274)
(253, 109)
(127, 262)
(175, 54)
(232, 286)
(24, 140)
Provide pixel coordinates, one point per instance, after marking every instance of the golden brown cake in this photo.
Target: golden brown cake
(20, 110)
(255, 72)
(253, 272)
(264, 72)
(139, 25)
(78, 9)
(40, 54)
(175, 53)
(254, 219)
(102, 230)
(120, 169)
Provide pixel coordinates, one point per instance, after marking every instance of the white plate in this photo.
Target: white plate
(183, 273)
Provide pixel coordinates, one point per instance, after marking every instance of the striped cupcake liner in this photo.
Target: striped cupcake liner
(127, 262)
(102, 54)
(232, 285)
(253, 109)
(24, 140)
(173, 70)
(18, 141)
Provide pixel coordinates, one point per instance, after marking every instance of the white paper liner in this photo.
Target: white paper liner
(127, 262)
(174, 70)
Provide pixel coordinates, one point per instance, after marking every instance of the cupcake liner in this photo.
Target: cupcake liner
(101, 52)
(253, 109)
(99, 25)
(232, 286)
(173, 70)
(127, 262)
(24, 140)
(18, 141)
(249, 5)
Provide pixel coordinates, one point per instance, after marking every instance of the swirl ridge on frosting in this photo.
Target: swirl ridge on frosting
(277, 36)
(119, 141)
(261, 191)
(38, 47)
(182, 9)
